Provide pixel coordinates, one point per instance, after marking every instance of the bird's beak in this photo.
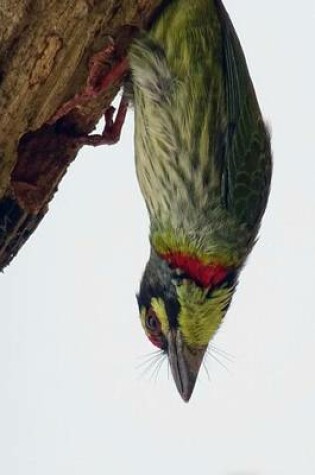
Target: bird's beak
(184, 362)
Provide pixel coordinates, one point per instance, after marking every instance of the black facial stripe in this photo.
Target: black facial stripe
(231, 279)
(229, 282)
(172, 306)
(157, 282)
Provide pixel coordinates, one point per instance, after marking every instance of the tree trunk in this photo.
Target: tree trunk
(47, 52)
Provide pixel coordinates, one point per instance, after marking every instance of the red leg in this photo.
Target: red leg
(112, 130)
(115, 75)
(95, 82)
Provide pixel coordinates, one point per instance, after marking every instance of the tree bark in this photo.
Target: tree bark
(46, 51)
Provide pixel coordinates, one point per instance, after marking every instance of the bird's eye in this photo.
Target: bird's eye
(152, 322)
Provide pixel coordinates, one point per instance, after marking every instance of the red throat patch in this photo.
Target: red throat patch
(206, 275)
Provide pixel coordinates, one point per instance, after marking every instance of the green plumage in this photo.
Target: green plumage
(203, 156)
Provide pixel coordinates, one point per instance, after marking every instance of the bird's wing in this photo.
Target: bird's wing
(246, 172)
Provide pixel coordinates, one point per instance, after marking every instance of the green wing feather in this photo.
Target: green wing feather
(247, 156)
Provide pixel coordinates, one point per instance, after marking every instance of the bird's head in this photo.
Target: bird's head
(182, 303)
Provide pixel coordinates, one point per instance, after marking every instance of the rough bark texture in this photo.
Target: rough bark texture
(46, 48)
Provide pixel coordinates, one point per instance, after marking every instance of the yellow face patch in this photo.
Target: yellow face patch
(200, 316)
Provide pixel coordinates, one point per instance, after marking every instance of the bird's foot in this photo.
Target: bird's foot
(112, 129)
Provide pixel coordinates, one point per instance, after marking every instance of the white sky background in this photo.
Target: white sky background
(72, 400)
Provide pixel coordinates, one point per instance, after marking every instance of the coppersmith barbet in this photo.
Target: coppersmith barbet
(203, 161)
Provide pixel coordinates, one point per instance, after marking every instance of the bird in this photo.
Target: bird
(204, 163)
